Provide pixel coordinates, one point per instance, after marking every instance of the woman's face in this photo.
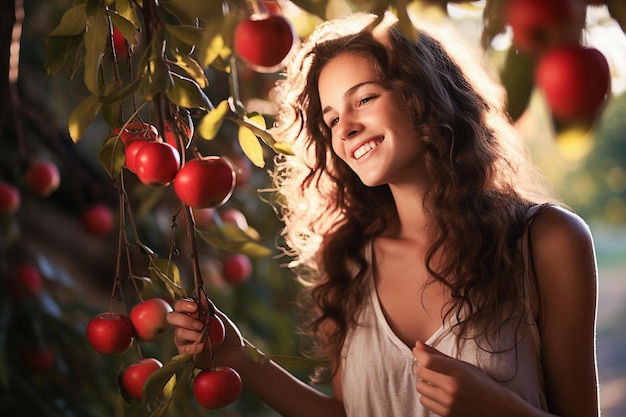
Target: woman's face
(370, 130)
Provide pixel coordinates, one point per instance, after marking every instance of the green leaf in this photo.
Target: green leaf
(167, 272)
(120, 94)
(251, 146)
(60, 50)
(125, 26)
(73, 22)
(226, 238)
(82, 116)
(188, 11)
(211, 123)
(111, 155)
(96, 38)
(187, 93)
(517, 77)
(211, 48)
(155, 76)
(263, 134)
(316, 7)
(214, 45)
(190, 35)
(158, 379)
(192, 68)
(111, 113)
(126, 9)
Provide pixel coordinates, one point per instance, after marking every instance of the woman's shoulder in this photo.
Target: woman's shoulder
(557, 227)
(562, 246)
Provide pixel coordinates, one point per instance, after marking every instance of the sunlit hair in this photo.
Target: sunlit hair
(481, 181)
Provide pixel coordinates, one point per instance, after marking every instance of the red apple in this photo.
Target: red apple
(217, 388)
(217, 332)
(9, 198)
(110, 333)
(29, 279)
(237, 268)
(134, 377)
(538, 24)
(149, 318)
(157, 163)
(39, 358)
(97, 220)
(205, 183)
(42, 178)
(136, 130)
(131, 149)
(575, 81)
(264, 41)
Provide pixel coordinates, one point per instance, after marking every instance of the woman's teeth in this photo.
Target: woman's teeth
(366, 147)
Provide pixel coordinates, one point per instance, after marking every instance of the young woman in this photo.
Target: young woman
(440, 277)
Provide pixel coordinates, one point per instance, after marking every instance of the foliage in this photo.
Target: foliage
(177, 68)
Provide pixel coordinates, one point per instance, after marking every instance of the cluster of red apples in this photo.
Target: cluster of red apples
(203, 182)
(114, 333)
(575, 79)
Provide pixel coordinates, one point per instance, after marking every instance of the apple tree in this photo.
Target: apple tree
(135, 170)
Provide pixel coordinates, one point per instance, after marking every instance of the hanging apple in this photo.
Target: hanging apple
(110, 333)
(42, 178)
(538, 24)
(207, 182)
(9, 198)
(157, 163)
(264, 41)
(575, 81)
(217, 388)
(97, 220)
(134, 377)
(149, 318)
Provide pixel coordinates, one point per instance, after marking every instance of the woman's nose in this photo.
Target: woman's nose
(348, 127)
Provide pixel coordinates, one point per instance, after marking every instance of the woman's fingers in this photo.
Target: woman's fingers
(185, 305)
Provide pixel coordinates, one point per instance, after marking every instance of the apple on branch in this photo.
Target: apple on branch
(149, 318)
(9, 198)
(110, 333)
(264, 41)
(134, 377)
(207, 182)
(157, 163)
(217, 388)
(97, 220)
(42, 178)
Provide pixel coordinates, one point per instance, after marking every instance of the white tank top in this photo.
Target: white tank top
(377, 367)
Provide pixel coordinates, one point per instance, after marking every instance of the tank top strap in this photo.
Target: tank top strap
(529, 285)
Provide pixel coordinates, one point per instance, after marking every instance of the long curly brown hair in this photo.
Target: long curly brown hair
(482, 183)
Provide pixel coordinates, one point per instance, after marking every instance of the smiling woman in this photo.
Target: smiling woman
(439, 276)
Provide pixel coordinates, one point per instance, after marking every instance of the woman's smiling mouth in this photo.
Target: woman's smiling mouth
(366, 147)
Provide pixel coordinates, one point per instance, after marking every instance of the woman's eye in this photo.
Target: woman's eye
(366, 100)
(332, 122)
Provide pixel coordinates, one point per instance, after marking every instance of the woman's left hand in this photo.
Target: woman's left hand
(450, 387)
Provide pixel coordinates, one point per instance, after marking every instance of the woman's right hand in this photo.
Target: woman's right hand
(189, 335)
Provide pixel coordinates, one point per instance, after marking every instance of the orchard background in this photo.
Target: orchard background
(75, 74)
